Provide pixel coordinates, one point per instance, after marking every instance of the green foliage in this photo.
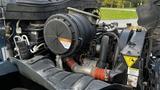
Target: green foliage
(123, 3)
(114, 13)
(115, 3)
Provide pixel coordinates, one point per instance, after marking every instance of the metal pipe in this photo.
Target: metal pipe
(77, 68)
(98, 73)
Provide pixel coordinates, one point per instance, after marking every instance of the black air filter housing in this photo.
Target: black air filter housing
(66, 34)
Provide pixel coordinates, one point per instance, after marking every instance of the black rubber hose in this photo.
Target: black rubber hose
(117, 50)
(103, 52)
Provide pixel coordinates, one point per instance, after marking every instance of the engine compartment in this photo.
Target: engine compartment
(73, 50)
(77, 43)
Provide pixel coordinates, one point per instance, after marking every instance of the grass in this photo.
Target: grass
(113, 13)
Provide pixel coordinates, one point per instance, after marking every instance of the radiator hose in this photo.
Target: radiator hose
(97, 73)
(103, 52)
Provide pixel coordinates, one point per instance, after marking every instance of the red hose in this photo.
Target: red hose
(97, 73)
(70, 62)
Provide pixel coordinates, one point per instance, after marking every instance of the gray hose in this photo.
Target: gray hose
(103, 52)
(117, 48)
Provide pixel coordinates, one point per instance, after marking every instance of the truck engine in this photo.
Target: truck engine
(61, 46)
(75, 42)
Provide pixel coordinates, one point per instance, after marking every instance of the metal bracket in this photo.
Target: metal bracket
(135, 45)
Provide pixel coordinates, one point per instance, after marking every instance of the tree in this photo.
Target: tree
(138, 2)
(114, 3)
(120, 3)
(109, 3)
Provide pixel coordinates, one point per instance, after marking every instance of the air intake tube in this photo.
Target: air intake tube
(97, 73)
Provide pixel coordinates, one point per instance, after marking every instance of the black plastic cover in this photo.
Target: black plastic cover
(42, 9)
(42, 71)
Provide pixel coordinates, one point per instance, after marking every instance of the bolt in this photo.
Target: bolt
(129, 52)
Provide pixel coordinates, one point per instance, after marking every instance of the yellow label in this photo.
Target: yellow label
(130, 60)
